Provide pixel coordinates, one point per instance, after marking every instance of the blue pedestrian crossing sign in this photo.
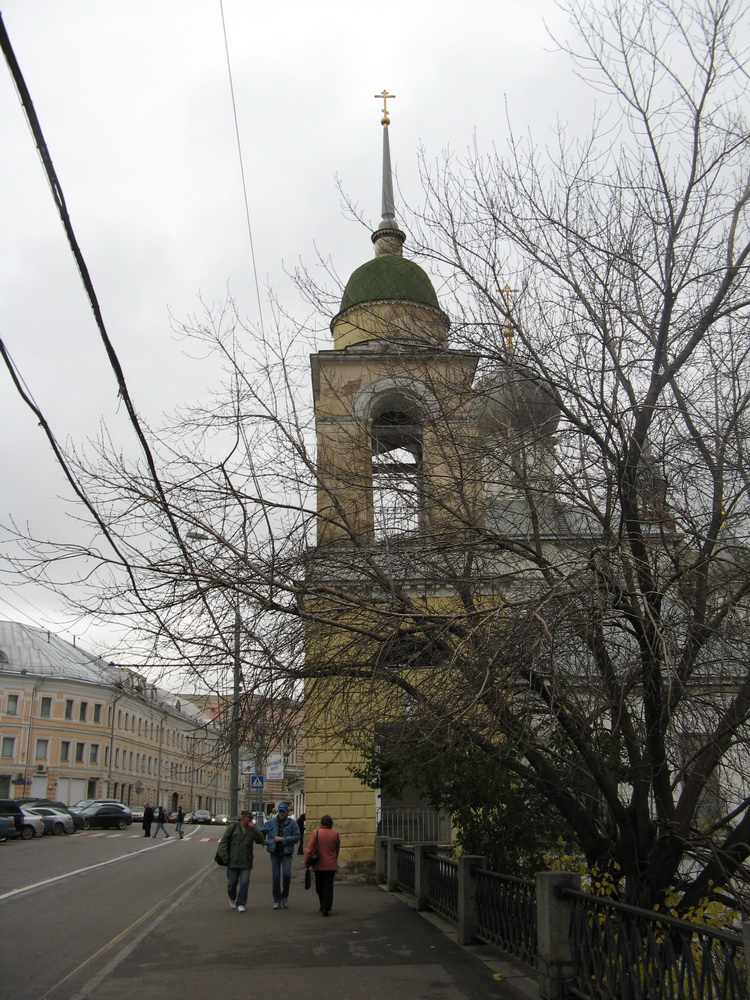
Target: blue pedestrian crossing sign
(257, 780)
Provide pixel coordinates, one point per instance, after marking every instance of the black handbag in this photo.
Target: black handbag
(308, 877)
(314, 855)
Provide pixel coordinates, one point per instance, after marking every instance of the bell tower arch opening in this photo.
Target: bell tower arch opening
(397, 469)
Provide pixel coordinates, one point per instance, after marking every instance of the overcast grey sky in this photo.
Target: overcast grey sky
(135, 104)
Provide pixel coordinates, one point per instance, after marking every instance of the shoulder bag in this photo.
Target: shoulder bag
(218, 858)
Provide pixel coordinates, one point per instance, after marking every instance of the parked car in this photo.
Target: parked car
(221, 819)
(85, 803)
(7, 828)
(137, 813)
(13, 809)
(56, 821)
(32, 826)
(106, 815)
(202, 816)
(49, 803)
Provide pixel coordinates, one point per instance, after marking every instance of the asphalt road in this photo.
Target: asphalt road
(67, 902)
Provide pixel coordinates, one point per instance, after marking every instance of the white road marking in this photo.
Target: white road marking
(78, 871)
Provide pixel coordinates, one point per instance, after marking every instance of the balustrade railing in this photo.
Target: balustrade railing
(506, 913)
(442, 886)
(582, 945)
(634, 954)
(405, 868)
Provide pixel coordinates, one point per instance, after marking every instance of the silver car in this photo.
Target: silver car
(32, 826)
(55, 821)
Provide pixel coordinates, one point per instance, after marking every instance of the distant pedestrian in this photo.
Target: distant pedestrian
(148, 819)
(161, 818)
(301, 825)
(282, 833)
(326, 841)
(179, 821)
(236, 848)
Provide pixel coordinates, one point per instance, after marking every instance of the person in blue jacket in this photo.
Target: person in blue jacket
(282, 833)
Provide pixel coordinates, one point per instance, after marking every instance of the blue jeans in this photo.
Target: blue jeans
(178, 829)
(160, 826)
(235, 876)
(281, 864)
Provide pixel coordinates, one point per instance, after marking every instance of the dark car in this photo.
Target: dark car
(8, 828)
(106, 816)
(12, 808)
(202, 816)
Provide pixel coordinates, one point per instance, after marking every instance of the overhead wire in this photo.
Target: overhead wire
(242, 168)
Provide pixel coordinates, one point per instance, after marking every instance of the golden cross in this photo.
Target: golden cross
(508, 332)
(385, 120)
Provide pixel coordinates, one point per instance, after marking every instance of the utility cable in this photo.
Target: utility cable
(123, 392)
(242, 169)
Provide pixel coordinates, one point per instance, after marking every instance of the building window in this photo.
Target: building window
(119, 719)
(97, 713)
(106, 756)
(8, 747)
(83, 710)
(109, 715)
(69, 708)
(80, 747)
(131, 761)
(117, 757)
(94, 753)
(64, 751)
(12, 704)
(42, 747)
(45, 708)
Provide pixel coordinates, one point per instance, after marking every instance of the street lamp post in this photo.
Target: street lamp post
(234, 726)
(234, 749)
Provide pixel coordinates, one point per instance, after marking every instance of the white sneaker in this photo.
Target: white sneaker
(284, 904)
(277, 906)
(232, 903)
(240, 909)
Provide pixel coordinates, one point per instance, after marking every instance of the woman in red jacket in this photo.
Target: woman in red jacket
(326, 840)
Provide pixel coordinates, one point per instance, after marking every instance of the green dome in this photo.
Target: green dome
(389, 277)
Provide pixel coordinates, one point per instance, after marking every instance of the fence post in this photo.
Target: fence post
(391, 871)
(467, 897)
(555, 961)
(380, 861)
(421, 889)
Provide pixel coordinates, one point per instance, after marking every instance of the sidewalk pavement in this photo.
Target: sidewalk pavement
(373, 945)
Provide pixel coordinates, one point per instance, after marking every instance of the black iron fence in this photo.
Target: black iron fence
(581, 945)
(405, 868)
(442, 885)
(623, 952)
(506, 913)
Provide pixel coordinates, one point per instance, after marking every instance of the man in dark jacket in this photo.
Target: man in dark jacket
(148, 819)
(236, 848)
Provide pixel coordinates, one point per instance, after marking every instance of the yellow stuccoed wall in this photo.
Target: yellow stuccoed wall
(331, 788)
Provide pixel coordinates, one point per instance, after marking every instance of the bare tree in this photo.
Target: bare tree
(559, 578)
